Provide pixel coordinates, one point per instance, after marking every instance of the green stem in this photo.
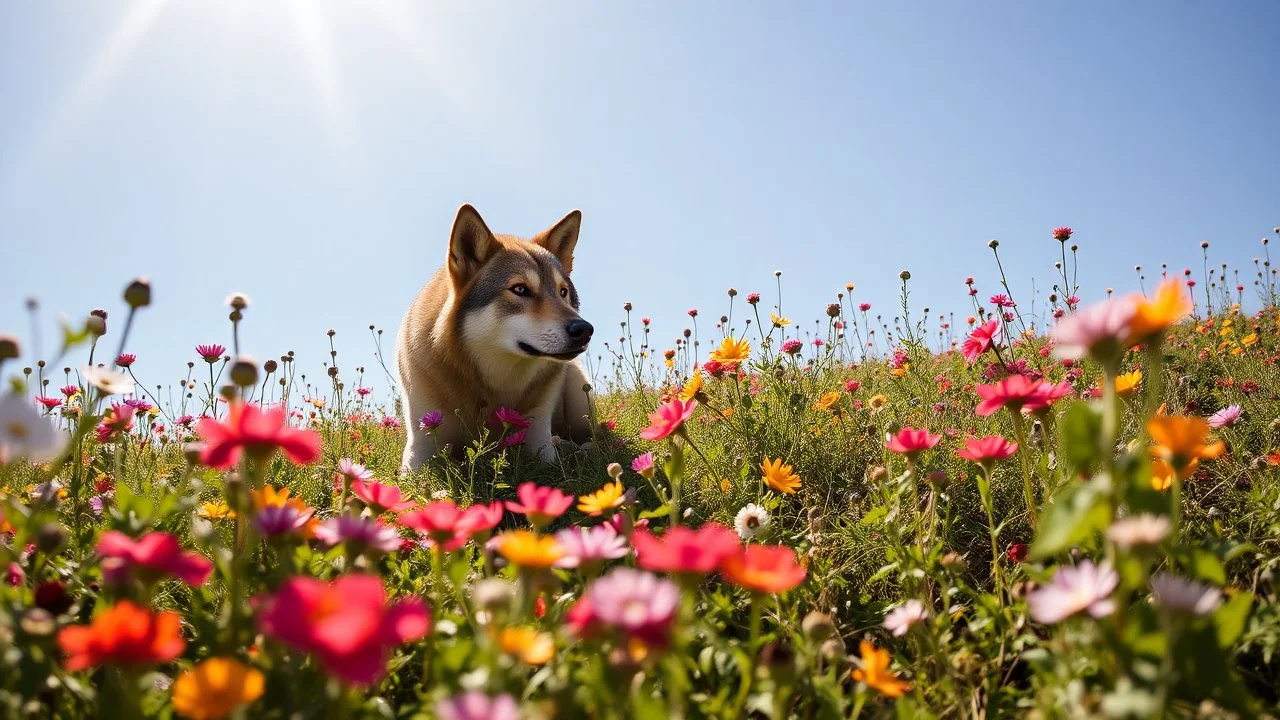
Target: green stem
(984, 489)
(1024, 459)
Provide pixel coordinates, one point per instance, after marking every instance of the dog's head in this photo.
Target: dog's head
(515, 296)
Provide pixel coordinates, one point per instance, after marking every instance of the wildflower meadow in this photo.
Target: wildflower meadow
(1048, 508)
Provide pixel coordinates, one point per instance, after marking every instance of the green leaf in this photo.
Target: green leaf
(1202, 564)
(662, 511)
(877, 514)
(1081, 426)
(1077, 513)
(1230, 618)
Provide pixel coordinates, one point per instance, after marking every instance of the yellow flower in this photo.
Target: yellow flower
(1153, 317)
(526, 643)
(827, 402)
(526, 549)
(215, 510)
(692, 387)
(270, 497)
(878, 401)
(1127, 383)
(1161, 475)
(215, 688)
(779, 476)
(725, 486)
(900, 371)
(779, 321)
(606, 498)
(876, 674)
(1249, 339)
(732, 351)
(1183, 442)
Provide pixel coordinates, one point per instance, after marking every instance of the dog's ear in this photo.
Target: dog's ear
(560, 239)
(470, 244)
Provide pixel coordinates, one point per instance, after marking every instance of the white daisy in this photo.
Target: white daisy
(108, 381)
(25, 433)
(751, 521)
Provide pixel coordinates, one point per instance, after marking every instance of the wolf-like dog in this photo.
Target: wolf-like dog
(496, 326)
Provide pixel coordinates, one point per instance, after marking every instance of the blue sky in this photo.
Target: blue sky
(312, 155)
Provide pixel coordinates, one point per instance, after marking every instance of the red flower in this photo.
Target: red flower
(382, 498)
(1018, 552)
(912, 441)
(764, 568)
(681, 550)
(347, 624)
(125, 634)
(155, 554)
(1062, 234)
(50, 403)
(852, 386)
(668, 419)
(987, 450)
(124, 360)
(257, 432)
(1017, 392)
(540, 504)
(982, 339)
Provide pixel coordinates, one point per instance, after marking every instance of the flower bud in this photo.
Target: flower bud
(138, 293)
(777, 661)
(10, 348)
(240, 301)
(878, 474)
(818, 627)
(993, 243)
(50, 538)
(904, 275)
(244, 371)
(833, 310)
(37, 622)
(270, 366)
(191, 452)
(954, 562)
(614, 470)
(96, 323)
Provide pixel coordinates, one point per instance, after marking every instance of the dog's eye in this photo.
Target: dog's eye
(564, 292)
(522, 290)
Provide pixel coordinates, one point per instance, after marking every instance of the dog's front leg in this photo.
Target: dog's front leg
(538, 437)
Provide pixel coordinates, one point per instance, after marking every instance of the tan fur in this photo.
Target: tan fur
(463, 361)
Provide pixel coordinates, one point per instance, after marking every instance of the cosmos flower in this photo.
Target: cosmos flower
(636, 603)
(211, 353)
(901, 619)
(590, 547)
(1018, 392)
(668, 419)
(1226, 417)
(125, 635)
(540, 504)
(912, 441)
(987, 450)
(124, 360)
(764, 569)
(1099, 330)
(1152, 318)
(684, 551)
(1185, 596)
(476, 705)
(1141, 530)
(154, 555)
(983, 338)
(359, 533)
(1182, 442)
(381, 498)
(643, 465)
(431, 420)
(1083, 588)
(257, 432)
(108, 382)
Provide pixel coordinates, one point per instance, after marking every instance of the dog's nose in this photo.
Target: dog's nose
(579, 330)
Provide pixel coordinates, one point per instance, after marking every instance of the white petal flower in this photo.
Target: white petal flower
(25, 433)
(108, 381)
(1182, 595)
(751, 521)
(902, 618)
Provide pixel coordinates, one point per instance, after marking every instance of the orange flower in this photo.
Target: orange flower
(779, 476)
(526, 643)
(1151, 318)
(732, 352)
(876, 674)
(125, 634)
(692, 387)
(215, 688)
(1183, 442)
(764, 568)
(528, 550)
(1161, 475)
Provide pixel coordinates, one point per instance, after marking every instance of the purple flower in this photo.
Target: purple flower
(359, 532)
(1083, 588)
(1186, 596)
(1226, 417)
(640, 604)
(281, 520)
(1098, 330)
(644, 465)
(431, 420)
(589, 547)
(476, 705)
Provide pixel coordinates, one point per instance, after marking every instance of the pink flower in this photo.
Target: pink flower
(512, 439)
(442, 522)
(124, 360)
(382, 498)
(902, 618)
(590, 547)
(683, 551)
(480, 518)
(987, 450)
(912, 441)
(982, 339)
(359, 533)
(363, 391)
(643, 465)
(210, 353)
(635, 603)
(505, 417)
(1083, 588)
(852, 386)
(475, 705)
(155, 554)
(1099, 330)
(792, 346)
(1062, 234)
(668, 419)
(540, 504)
(69, 390)
(50, 403)
(257, 432)
(278, 520)
(1017, 392)
(348, 624)
(753, 298)
(864, 306)
(1001, 300)
(1226, 417)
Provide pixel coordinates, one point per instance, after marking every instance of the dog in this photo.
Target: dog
(496, 326)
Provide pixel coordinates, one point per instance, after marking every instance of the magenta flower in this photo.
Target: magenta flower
(634, 602)
(1226, 417)
(983, 338)
(1099, 330)
(358, 533)
(588, 548)
(539, 503)
(516, 438)
(1062, 233)
(1001, 300)
(864, 307)
(363, 391)
(1083, 588)
(792, 346)
(912, 441)
(124, 360)
(508, 418)
(475, 705)
(211, 353)
(644, 465)
(431, 420)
